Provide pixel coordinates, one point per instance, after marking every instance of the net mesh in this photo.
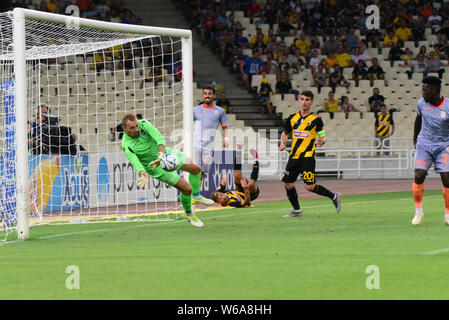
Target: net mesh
(80, 83)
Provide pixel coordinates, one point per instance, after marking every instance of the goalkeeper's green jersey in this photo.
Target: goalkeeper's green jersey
(142, 150)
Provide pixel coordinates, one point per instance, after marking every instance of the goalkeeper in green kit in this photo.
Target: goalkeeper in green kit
(144, 146)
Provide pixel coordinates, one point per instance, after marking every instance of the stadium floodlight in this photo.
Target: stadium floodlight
(65, 84)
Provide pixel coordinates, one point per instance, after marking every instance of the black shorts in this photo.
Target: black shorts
(303, 166)
(253, 196)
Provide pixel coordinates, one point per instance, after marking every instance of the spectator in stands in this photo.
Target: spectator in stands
(114, 17)
(416, 66)
(284, 85)
(302, 43)
(52, 6)
(103, 9)
(358, 56)
(331, 104)
(347, 107)
(264, 96)
(336, 79)
(249, 68)
(284, 66)
(359, 72)
(375, 72)
(228, 51)
(253, 10)
(434, 64)
(284, 28)
(403, 32)
(445, 28)
(84, 5)
(272, 65)
(208, 25)
(155, 75)
(412, 6)
(320, 77)
(238, 59)
(343, 58)
(390, 39)
(103, 60)
(396, 53)
(315, 60)
(434, 20)
(384, 127)
(351, 39)
(224, 102)
(258, 37)
(418, 29)
(241, 40)
(376, 101)
(329, 45)
(330, 61)
(423, 51)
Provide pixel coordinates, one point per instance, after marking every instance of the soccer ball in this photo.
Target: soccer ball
(169, 162)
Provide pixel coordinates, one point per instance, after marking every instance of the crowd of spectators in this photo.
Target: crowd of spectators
(325, 37)
(105, 10)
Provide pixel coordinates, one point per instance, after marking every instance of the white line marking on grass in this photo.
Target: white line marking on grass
(206, 218)
(435, 251)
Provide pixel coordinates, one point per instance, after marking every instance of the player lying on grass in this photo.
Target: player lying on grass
(144, 146)
(245, 191)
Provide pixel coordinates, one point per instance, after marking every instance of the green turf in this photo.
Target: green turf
(250, 253)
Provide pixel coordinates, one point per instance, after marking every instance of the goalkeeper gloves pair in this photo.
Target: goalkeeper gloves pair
(142, 181)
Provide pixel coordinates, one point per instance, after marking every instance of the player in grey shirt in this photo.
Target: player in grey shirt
(431, 139)
(207, 118)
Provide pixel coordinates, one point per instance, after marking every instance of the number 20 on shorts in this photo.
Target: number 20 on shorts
(308, 176)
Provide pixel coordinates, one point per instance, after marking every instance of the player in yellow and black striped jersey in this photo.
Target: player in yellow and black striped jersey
(384, 127)
(245, 191)
(306, 129)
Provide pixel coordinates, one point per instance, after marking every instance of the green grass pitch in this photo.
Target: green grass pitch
(250, 253)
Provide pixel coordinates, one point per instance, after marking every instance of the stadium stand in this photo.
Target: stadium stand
(337, 18)
(280, 24)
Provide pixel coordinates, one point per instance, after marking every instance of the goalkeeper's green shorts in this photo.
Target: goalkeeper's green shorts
(169, 177)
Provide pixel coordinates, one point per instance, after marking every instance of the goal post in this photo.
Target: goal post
(73, 79)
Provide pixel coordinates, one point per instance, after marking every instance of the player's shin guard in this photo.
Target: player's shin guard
(195, 182)
(322, 191)
(446, 199)
(255, 172)
(418, 191)
(186, 202)
(292, 196)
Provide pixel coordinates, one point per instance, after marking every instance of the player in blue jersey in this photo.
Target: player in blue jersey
(431, 139)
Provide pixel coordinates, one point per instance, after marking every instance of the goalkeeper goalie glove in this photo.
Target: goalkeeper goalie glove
(154, 164)
(142, 181)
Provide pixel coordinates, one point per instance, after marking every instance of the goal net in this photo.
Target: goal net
(68, 82)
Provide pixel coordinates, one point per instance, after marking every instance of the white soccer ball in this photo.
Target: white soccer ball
(169, 162)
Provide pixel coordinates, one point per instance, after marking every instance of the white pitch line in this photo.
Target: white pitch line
(214, 217)
(435, 251)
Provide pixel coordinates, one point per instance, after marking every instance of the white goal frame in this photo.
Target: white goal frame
(20, 81)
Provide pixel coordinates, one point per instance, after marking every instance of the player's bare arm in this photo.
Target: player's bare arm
(284, 137)
(225, 137)
(417, 128)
